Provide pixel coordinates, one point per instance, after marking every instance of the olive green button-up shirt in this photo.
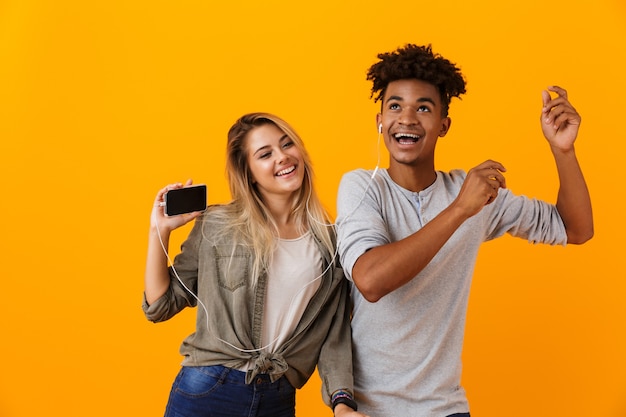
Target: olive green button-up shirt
(228, 325)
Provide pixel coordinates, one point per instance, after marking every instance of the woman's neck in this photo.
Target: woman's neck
(281, 212)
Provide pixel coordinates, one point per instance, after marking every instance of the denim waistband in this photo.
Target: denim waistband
(237, 377)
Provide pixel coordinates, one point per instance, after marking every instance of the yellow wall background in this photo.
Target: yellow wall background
(104, 102)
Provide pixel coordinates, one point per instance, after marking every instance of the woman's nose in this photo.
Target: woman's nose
(280, 156)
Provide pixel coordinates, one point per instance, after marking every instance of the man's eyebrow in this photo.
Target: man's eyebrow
(398, 98)
(419, 100)
(426, 100)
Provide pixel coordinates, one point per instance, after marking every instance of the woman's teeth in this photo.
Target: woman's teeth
(286, 171)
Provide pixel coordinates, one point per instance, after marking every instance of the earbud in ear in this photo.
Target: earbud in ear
(380, 128)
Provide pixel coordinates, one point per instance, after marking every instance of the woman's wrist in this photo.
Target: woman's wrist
(343, 410)
(343, 397)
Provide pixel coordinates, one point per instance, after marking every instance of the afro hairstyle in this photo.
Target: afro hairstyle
(417, 62)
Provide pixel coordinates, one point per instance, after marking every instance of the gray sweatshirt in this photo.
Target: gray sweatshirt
(407, 346)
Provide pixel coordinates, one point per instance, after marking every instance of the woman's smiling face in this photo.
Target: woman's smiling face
(275, 161)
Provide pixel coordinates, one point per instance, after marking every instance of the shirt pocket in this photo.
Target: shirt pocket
(233, 266)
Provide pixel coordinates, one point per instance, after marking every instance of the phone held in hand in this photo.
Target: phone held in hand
(185, 200)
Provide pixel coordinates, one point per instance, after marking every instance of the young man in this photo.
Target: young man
(409, 235)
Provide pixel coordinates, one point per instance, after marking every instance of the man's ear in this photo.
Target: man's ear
(379, 121)
(445, 126)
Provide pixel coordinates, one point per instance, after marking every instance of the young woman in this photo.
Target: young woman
(272, 302)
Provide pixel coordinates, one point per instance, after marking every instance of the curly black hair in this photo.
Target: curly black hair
(417, 62)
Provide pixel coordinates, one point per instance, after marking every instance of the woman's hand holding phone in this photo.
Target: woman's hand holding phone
(176, 205)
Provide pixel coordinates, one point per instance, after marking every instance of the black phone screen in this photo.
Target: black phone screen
(185, 200)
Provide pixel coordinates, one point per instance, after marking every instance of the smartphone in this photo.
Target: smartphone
(185, 200)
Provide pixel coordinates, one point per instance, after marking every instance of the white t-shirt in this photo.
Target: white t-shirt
(293, 278)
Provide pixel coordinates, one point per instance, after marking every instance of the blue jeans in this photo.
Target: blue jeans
(217, 391)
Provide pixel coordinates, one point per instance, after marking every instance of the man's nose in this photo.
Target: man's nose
(408, 117)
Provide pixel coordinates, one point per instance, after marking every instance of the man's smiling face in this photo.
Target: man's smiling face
(412, 121)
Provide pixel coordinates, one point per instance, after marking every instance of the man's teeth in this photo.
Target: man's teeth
(406, 137)
(286, 171)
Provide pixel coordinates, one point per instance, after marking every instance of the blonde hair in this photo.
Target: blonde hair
(248, 217)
